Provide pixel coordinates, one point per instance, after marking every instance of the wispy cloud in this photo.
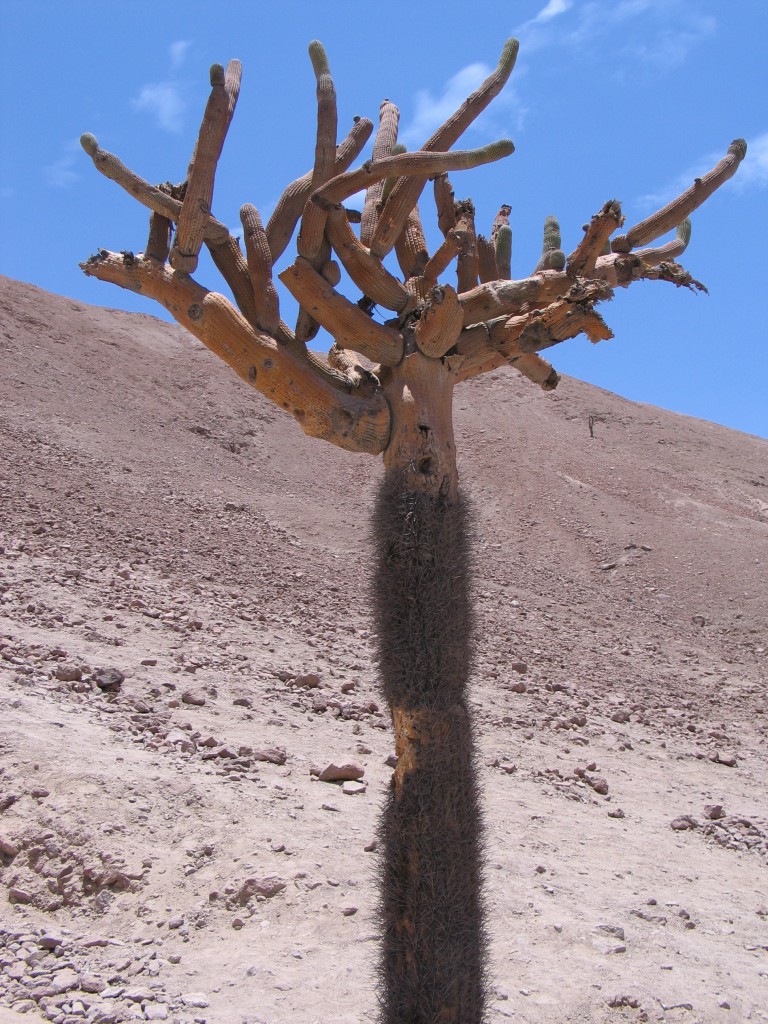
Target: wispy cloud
(669, 30)
(430, 111)
(753, 174)
(163, 100)
(61, 173)
(178, 53)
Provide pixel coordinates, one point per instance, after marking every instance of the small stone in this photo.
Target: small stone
(68, 673)
(156, 1011)
(353, 788)
(724, 1004)
(108, 679)
(518, 687)
(272, 755)
(194, 697)
(7, 848)
(699, 620)
(176, 922)
(149, 662)
(599, 785)
(238, 923)
(309, 680)
(347, 772)
(16, 895)
(391, 761)
(519, 666)
(242, 702)
(330, 807)
(620, 716)
(349, 911)
(266, 887)
(92, 983)
(605, 566)
(714, 812)
(729, 760)
(683, 823)
(196, 999)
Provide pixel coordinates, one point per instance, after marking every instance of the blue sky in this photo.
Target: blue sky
(610, 98)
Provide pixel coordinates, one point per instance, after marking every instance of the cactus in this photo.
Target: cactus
(504, 251)
(434, 957)
(552, 256)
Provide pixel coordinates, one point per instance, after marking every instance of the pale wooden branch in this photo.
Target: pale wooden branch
(153, 198)
(260, 270)
(386, 137)
(619, 270)
(318, 397)
(370, 276)
(582, 260)
(406, 192)
(291, 203)
(674, 213)
(670, 250)
(347, 323)
(467, 265)
(440, 322)
(420, 165)
(497, 298)
(486, 260)
(441, 260)
(196, 207)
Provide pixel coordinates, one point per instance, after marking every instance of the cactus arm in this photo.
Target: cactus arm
(153, 198)
(486, 256)
(317, 396)
(260, 270)
(159, 240)
(350, 327)
(419, 164)
(497, 298)
(196, 207)
(367, 273)
(386, 138)
(310, 241)
(674, 213)
(552, 256)
(503, 247)
(445, 203)
(619, 270)
(582, 260)
(671, 250)
(442, 258)
(411, 248)
(439, 323)
(291, 203)
(467, 264)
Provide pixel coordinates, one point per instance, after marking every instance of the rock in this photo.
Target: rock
(197, 999)
(16, 895)
(156, 1011)
(683, 823)
(175, 922)
(272, 755)
(68, 673)
(330, 807)
(518, 666)
(620, 716)
(714, 812)
(266, 887)
(242, 702)
(7, 848)
(599, 785)
(616, 813)
(729, 760)
(149, 662)
(353, 788)
(92, 983)
(698, 620)
(391, 761)
(349, 771)
(605, 566)
(65, 980)
(518, 687)
(108, 679)
(309, 680)
(349, 911)
(194, 697)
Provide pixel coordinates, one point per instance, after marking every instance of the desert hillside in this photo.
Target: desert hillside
(185, 642)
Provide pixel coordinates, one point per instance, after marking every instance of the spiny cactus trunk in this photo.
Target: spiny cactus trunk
(433, 959)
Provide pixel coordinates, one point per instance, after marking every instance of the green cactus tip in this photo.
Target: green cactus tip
(89, 143)
(319, 58)
(684, 231)
(509, 54)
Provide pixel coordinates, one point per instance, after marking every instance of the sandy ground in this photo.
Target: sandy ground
(185, 637)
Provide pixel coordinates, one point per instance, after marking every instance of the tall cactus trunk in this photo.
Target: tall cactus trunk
(433, 958)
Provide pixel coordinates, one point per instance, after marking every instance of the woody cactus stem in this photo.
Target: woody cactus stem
(434, 949)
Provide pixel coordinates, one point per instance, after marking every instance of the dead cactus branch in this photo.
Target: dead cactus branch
(674, 213)
(386, 138)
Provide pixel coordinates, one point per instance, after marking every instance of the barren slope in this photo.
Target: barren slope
(157, 861)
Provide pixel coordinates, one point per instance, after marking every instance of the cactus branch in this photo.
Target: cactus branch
(445, 203)
(442, 258)
(670, 250)
(673, 213)
(196, 207)
(260, 270)
(347, 323)
(386, 137)
(153, 198)
(467, 265)
(486, 258)
(317, 396)
(291, 203)
(552, 256)
(367, 273)
(419, 164)
(581, 261)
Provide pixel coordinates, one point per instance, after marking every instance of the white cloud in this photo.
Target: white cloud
(553, 8)
(163, 101)
(178, 53)
(753, 172)
(61, 173)
(431, 112)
